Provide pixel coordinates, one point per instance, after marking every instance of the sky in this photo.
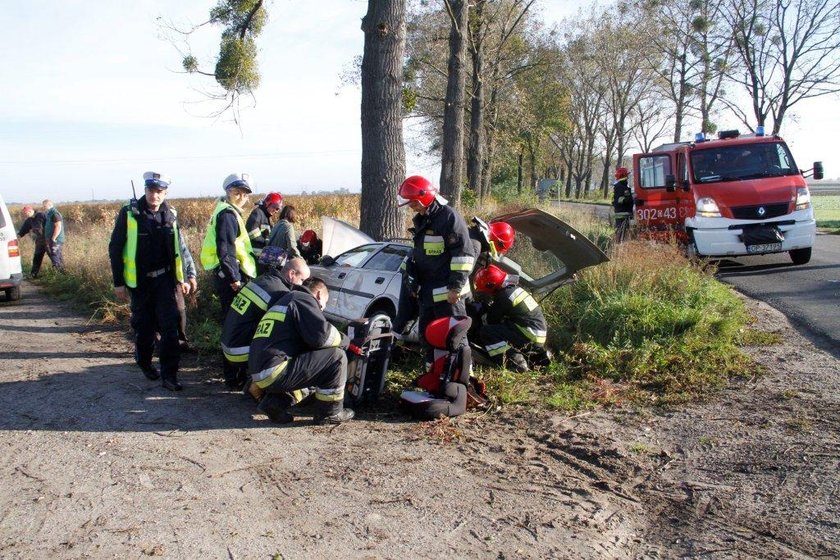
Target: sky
(93, 96)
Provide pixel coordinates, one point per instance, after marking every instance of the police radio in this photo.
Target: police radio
(132, 204)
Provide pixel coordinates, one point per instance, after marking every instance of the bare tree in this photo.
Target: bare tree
(383, 152)
(789, 52)
(452, 152)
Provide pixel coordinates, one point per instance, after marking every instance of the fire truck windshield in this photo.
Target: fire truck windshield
(741, 162)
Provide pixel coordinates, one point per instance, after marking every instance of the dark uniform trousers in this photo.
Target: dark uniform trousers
(325, 369)
(38, 257)
(493, 334)
(154, 309)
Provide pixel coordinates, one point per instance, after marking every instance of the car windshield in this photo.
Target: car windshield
(355, 257)
(742, 162)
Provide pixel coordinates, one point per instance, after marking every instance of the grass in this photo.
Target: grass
(648, 327)
(827, 212)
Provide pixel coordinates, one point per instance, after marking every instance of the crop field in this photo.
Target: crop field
(827, 210)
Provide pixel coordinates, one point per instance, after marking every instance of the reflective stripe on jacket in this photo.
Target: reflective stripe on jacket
(129, 253)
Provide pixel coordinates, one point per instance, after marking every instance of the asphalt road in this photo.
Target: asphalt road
(808, 294)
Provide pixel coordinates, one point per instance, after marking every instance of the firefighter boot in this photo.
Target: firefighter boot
(331, 416)
(276, 407)
(516, 361)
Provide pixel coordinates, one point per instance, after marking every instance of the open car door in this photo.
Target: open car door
(547, 251)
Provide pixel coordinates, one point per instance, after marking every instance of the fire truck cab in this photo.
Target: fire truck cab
(734, 196)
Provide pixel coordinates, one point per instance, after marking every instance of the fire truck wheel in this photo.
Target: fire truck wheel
(800, 256)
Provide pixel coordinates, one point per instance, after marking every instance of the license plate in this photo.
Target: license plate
(765, 248)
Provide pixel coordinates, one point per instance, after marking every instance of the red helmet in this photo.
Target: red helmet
(273, 198)
(308, 236)
(501, 235)
(621, 172)
(490, 279)
(418, 188)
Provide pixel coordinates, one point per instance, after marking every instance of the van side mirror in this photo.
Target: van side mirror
(818, 170)
(670, 183)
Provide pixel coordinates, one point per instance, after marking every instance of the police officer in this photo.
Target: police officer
(227, 248)
(443, 254)
(259, 224)
(249, 306)
(34, 223)
(294, 348)
(622, 203)
(146, 261)
(514, 323)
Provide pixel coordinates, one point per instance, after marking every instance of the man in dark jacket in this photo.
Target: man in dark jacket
(34, 223)
(54, 234)
(227, 248)
(147, 265)
(259, 224)
(295, 348)
(622, 203)
(443, 254)
(515, 324)
(249, 306)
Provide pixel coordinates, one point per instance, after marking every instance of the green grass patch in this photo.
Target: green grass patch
(827, 211)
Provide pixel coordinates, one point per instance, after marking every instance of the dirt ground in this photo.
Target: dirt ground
(98, 462)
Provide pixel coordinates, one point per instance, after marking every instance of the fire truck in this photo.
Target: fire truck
(737, 195)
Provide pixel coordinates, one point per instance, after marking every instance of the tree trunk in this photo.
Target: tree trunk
(452, 154)
(519, 173)
(475, 157)
(383, 153)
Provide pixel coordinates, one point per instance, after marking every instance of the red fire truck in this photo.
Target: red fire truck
(733, 196)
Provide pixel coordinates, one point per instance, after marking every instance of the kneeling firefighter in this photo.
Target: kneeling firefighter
(295, 348)
(515, 325)
(249, 306)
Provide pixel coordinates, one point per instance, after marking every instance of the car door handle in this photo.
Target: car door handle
(380, 279)
(342, 275)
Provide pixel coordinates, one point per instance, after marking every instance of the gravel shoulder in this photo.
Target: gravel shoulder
(99, 462)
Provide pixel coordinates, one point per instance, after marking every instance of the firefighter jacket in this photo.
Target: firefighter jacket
(443, 254)
(145, 243)
(259, 229)
(292, 326)
(248, 307)
(622, 197)
(226, 244)
(514, 306)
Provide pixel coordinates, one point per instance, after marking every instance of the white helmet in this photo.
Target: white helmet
(239, 180)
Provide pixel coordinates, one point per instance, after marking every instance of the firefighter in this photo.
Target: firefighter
(443, 256)
(622, 203)
(490, 241)
(34, 223)
(515, 325)
(146, 261)
(258, 224)
(227, 248)
(310, 246)
(249, 306)
(295, 348)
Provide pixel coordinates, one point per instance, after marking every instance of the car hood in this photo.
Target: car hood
(548, 233)
(339, 236)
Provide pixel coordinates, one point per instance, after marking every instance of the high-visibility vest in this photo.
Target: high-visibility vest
(130, 250)
(242, 244)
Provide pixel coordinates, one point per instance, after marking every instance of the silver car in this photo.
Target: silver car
(366, 281)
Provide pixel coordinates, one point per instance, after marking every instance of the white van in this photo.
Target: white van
(11, 274)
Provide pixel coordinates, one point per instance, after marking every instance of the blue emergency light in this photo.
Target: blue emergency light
(699, 137)
(759, 130)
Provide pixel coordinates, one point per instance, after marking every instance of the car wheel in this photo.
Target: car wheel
(800, 256)
(13, 293)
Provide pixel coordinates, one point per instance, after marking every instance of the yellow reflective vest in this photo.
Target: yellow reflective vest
(242, 244)
(130, 249)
